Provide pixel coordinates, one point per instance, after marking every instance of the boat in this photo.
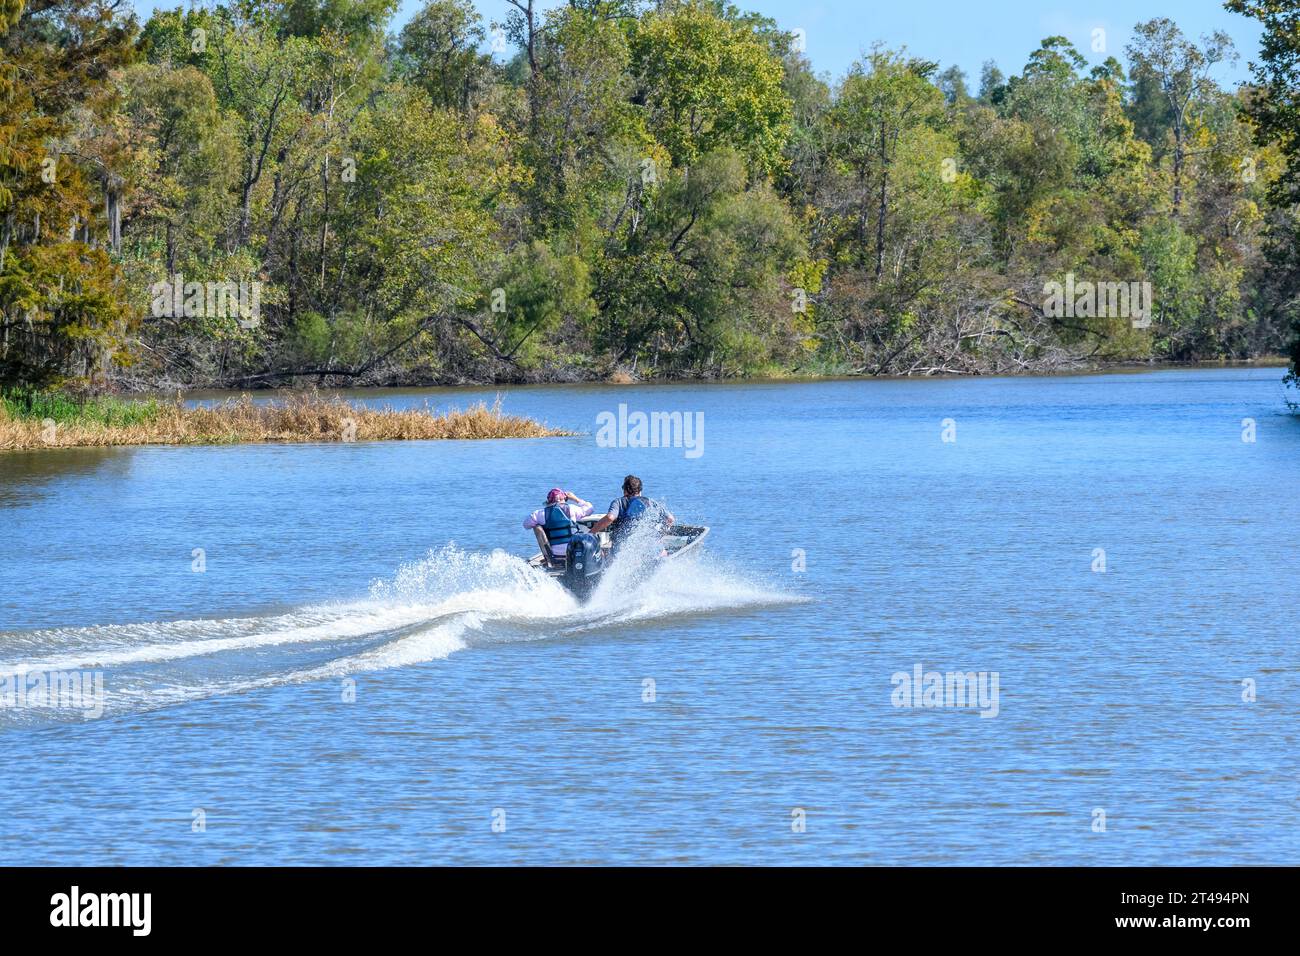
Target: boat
(589, 554)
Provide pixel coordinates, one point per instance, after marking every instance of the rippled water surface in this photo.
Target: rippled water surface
(334, 653)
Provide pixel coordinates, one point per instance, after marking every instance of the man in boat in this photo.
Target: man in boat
(556, 523)
(625, 513)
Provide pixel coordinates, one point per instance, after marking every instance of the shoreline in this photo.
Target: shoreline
(623, 379)
(294, 416)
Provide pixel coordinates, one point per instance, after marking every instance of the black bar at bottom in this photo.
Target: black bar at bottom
(942, 905)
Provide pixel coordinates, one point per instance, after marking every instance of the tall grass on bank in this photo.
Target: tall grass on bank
(63, 409)
(38, 420)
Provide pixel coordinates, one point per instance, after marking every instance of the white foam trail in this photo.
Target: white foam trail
(430, 609)
(284, 630)
(443, 584)
(434, 644)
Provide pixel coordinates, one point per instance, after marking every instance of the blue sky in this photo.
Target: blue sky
(965, 32)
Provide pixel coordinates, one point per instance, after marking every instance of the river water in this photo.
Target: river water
(334, 654)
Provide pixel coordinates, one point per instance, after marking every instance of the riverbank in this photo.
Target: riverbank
(568, 376)
(41, 420)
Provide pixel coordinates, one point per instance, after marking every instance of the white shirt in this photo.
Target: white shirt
(570, 508)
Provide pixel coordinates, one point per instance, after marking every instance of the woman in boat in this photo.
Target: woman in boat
(556, 522)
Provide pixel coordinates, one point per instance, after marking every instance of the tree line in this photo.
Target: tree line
(275, 191)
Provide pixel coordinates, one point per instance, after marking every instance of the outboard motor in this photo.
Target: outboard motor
(583, 563)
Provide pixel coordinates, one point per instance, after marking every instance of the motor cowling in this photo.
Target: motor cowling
(583, 562)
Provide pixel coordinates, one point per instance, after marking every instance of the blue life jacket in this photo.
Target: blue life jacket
(630, 511)
(559, 527)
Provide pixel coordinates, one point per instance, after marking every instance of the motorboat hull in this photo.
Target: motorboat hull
(588, 556)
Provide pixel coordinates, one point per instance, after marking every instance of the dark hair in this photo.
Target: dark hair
(631, 485)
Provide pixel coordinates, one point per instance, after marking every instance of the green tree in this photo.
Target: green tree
(702, 285)
(707, 83)
(586, 131)
(879, 103)
(1275, 110)
(439, 50)
(1180, 68)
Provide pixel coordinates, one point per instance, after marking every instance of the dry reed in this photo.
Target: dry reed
(301, 418)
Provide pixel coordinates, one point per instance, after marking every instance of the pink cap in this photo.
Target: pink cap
(554, 495)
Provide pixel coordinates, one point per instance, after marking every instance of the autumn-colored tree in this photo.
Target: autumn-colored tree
(64, 314)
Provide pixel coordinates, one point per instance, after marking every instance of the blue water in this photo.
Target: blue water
(495, 721)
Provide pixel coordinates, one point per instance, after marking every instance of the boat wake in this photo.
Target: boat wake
(447, 602)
